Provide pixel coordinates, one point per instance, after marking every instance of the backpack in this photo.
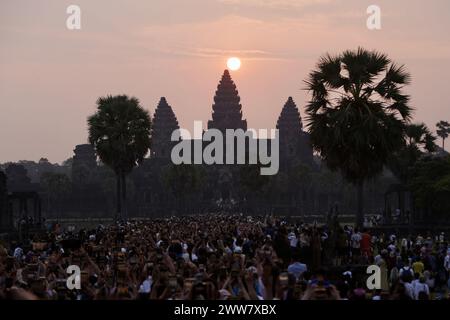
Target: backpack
(406, 274)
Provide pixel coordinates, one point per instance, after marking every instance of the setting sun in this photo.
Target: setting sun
(234, 64)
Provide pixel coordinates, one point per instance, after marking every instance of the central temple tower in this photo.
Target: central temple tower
(227, 110)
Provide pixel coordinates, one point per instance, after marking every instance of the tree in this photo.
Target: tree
(358, 114)
(430, 185)
(418, 141)
(120, 133)
(56, 186)
(419, 138)
(443, 131)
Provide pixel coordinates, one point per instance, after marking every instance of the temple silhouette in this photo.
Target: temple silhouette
(223, 181)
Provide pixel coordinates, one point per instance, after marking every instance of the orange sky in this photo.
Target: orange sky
(50, 77)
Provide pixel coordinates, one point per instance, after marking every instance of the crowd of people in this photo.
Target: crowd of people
(225, 257)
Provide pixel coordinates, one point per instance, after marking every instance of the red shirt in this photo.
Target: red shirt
(365, 242)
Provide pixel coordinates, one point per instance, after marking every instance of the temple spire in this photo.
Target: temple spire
(227, 110)
(295, 146)
(290, 120)
(163, 124)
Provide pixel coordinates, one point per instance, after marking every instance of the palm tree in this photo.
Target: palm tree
(418, 141)
(358, 114)
(443, 131)
(120, 132)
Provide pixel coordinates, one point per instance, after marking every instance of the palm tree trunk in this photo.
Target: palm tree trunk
(119, 198)
(124, 196)
(360, 199)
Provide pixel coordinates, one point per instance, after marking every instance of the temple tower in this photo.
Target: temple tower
(164, 123)
(84, 165)
(227, 110)
(294, 142)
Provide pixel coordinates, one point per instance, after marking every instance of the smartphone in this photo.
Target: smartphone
(284, 279)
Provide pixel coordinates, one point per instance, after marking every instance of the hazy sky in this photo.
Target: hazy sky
(50, 77)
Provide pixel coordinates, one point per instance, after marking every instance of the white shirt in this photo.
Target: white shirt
(392, 247)
(146, 286)
(409, 290)
(377, 260)
(237, 249)
(293, 239)
(18, 252)
(447, 262)
(418, 287)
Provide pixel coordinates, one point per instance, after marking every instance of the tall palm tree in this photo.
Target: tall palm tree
(120, 132)
(418, 141)
(443, 130)
(419, 138)
(358, 114)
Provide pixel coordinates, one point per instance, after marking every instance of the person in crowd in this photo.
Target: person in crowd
(420, 290)
(296, 267)
(355, 241)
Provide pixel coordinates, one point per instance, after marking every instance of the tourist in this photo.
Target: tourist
(419, 286)
(355, 241)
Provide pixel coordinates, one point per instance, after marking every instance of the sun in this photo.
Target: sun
(234, 63)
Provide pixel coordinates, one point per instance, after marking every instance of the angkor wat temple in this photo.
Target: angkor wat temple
(219, 186)
(83, 187)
